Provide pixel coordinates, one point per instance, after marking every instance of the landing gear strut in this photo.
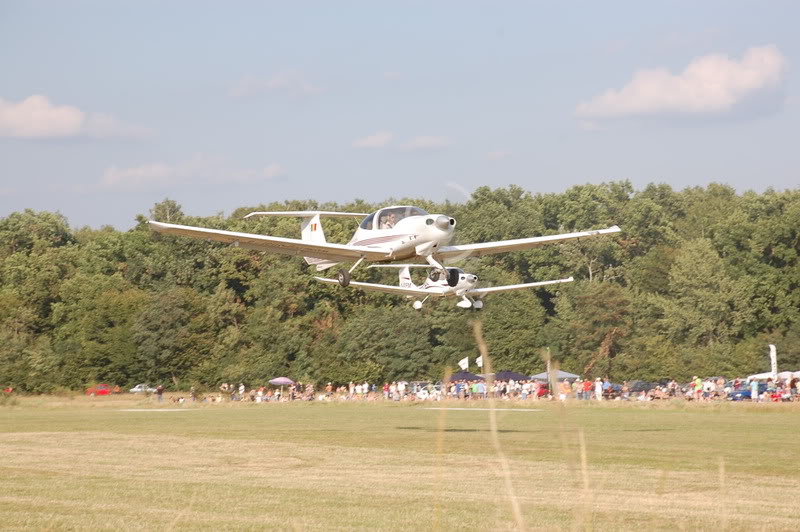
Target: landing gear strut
(344, 275)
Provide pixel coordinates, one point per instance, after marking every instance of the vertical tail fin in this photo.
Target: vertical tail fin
(311, 231)
(405, 278)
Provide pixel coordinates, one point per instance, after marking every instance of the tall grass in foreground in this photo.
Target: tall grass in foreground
(78, 462)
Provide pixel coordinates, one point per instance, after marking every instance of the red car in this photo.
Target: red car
(100, 389)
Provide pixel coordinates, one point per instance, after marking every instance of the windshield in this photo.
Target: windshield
(367, 222)
(388, 217)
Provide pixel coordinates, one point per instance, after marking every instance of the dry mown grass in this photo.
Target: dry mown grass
(86, 464)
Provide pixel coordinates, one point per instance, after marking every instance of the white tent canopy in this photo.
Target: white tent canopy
(768, 375)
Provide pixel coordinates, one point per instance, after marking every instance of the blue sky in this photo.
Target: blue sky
(109, 107)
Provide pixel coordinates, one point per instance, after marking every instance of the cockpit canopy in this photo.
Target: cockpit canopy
(386, 218)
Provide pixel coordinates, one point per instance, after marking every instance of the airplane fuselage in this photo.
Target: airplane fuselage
(404, 232)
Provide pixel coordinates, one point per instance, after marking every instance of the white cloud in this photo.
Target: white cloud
(198, 170)
(35, 117)
(497, 155)
(427, 143)
(289, 82)
(273, 170)
(709, 84)
(378, 140)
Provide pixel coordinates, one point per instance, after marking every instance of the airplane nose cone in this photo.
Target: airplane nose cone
(473, 279)
(445, 223)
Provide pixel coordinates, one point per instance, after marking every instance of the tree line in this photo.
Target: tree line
(698, 283)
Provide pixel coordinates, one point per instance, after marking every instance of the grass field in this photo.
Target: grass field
(85, 463)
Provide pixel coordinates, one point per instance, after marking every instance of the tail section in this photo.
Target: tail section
(404, 273)
(405, 278)
(311, 229)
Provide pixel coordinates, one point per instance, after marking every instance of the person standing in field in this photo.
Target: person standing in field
(698, 388)
(587, 389)
(565, 390)
(754, 391)
(598, 389)
(160, 393)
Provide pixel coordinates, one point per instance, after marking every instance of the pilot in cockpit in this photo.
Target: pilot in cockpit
(388, 222)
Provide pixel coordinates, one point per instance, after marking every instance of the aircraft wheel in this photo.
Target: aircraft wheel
(452, 277)
(344, 278)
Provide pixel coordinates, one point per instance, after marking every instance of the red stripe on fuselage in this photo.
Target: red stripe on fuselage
(378, 240)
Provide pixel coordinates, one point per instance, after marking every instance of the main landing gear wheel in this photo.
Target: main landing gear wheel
(344, 278)
(452, 277)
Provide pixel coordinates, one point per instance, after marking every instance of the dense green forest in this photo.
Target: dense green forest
(698, 282)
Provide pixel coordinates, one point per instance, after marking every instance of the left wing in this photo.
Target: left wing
(389, 289)
(506, 288)
(488, 248)
(275, 244)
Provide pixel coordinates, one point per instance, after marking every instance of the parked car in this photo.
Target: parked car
(100, 389)
(142, 388)
(612, 392)
(743, 394)
(641, 386)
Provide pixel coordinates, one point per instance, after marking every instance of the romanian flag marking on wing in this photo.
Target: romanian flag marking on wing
(313, 227)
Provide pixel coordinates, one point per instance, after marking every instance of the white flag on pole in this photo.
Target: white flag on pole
(773, 359)
(479, 361)
(463, 363)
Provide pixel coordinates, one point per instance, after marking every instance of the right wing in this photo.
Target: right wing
(275, 244)
(502, 246)
(506, 288)
(389, 289)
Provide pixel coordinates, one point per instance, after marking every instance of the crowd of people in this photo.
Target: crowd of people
(578, 389)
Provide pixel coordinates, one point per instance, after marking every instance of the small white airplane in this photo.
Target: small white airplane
(390, 234)
(437, 285)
